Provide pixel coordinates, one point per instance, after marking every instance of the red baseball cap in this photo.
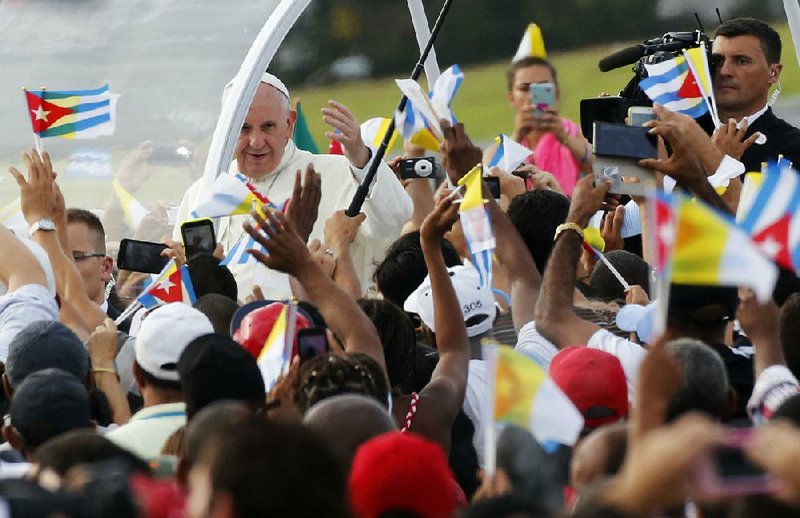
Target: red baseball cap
(595, 383)
(254, 326)
(401, 471)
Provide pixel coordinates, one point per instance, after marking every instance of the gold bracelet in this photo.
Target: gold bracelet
(568, 226)
(104, 369)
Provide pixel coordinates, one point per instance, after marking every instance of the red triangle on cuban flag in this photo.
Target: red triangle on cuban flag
(689, 88)
(774, 241)
(335, 148)
(168, 289)
(42, 113)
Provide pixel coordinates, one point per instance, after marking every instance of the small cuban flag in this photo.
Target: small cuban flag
(173, 284)
(672, 84)
(78, 114)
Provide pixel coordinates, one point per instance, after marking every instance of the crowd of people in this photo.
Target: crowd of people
(170, 413)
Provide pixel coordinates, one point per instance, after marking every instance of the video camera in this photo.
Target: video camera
(655, 50)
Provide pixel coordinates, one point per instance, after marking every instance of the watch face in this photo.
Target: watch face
(46, 224)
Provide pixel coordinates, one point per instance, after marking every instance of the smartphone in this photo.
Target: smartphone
(141, 256)
(311, 342)
(198, 237)
(424, 167)
(543, 96)
(619, 140)
(493, 183)
(606, 109)
(639, 115)
(726, 471)
(618, 149)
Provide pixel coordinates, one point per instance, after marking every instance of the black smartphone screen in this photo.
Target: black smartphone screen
(493, 184)
(619, 140)
(141, 256)
(198, 238)
(311, 342)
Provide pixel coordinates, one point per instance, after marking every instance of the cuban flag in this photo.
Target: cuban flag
(80, 114)
(672, 84)
(173, 284)
(769, 216)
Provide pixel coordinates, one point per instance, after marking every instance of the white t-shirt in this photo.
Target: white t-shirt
(629, 354)
(149, 428)
(22, 307)
(474, 402)
(773, 386)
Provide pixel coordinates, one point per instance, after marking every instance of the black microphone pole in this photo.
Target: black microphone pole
(363, 188)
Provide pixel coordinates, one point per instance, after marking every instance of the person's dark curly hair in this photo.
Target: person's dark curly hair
(396, 331)
(329, 375)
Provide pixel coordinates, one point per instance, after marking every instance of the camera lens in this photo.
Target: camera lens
(423, 168)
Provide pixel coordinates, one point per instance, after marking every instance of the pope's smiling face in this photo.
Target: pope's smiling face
(265, 132)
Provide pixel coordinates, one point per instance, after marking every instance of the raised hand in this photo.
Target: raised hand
(440, 220)
(37, 196)
(459, 154)
(730, 140)
(303, 208)
(586, 200)
(287, 252)
(339, 117)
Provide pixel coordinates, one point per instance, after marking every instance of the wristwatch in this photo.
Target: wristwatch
(41, 224)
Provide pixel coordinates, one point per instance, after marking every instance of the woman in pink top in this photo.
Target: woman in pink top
(557, 143)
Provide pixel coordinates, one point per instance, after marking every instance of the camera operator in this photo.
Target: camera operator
(746, 63)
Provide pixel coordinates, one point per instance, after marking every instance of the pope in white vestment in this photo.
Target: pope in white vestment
(266, 154)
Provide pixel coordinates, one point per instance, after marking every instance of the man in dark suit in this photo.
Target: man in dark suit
(746, 57)
(87, 243)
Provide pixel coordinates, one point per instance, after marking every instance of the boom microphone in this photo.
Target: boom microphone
(622, 57)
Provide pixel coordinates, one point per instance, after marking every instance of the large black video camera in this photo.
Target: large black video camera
(655, 50)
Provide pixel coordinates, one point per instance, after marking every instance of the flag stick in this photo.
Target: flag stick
(489, 354)
(363, 189)
(423, 33)
(37, 140)
(129, 311)
(662, 274)
(608, 264)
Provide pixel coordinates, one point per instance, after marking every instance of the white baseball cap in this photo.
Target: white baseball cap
(163, 336)
(477, 302)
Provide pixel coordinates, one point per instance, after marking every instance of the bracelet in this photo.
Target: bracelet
(104, 369)
(568, 226)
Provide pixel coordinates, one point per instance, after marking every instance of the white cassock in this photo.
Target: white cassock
(387, 208)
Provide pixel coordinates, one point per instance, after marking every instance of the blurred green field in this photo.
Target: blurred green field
(481, 102)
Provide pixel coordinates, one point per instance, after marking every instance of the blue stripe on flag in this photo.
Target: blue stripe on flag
(695, 111)
(87, 107)
(666, 77)
(498, 155)
(232, 253)
(75, 127)
(186, 281)
(762, 198)
(147, 300)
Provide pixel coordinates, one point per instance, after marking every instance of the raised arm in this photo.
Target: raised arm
(19, 267)
(41, 199)
(288, 254)
(555, 318)
(443, 396)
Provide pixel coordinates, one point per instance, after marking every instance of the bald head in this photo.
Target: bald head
(347, 421)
